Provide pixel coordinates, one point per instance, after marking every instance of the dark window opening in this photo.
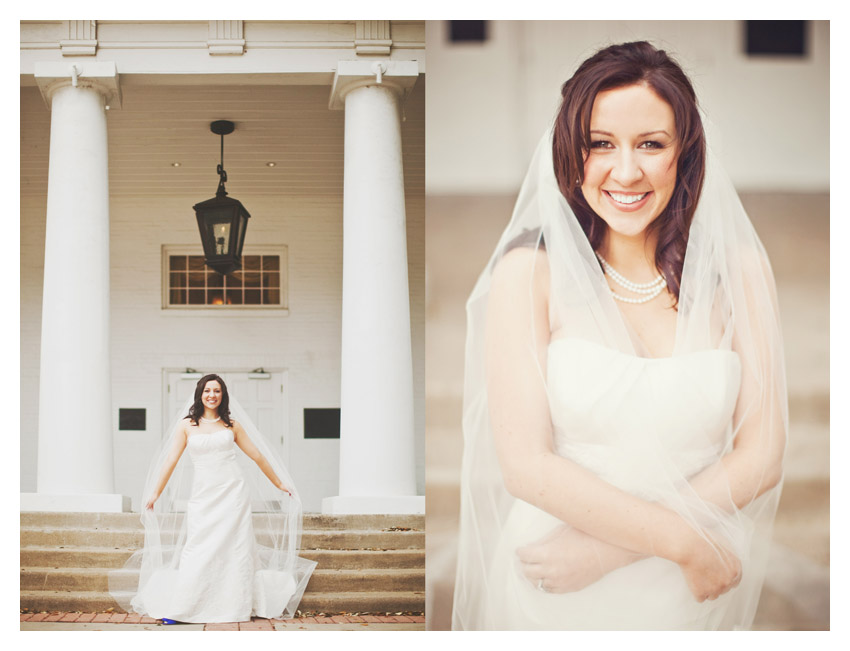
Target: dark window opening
(776, 37)
(321, 423)
(131, 419)
(467, 31)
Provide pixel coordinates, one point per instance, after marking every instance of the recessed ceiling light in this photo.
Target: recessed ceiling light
(175, 164)
(271, 164)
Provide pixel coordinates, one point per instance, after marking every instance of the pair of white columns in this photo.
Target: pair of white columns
(377, 447)
(377, 472)
(75, 458)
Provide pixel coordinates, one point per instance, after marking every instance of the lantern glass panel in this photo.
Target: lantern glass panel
(221, 237)
(242, 223)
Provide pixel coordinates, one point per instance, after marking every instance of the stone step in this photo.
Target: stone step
(325, 602)
(123, 521)
(332, 603)
(331, 559)
(134, 538)
(322, 580)
(377, 580)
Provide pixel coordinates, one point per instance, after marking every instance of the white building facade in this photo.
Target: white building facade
(116, 320)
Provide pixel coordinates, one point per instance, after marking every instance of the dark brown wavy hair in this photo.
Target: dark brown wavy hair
(197, 408)
(615, 67)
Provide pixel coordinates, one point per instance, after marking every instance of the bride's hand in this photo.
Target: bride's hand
(565, 560)
(150, 503)
(710, 569)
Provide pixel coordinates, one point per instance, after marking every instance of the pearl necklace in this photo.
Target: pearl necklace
(208, 420)
(650, 290)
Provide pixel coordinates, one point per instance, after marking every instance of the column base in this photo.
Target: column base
(413, 504)
(75, 502)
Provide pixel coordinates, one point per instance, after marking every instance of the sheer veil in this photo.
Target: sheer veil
(280, 575)
(728, 303)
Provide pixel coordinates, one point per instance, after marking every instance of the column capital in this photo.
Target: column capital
(399, 76)
(101, 76)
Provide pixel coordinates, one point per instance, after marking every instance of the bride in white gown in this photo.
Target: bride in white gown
(625, 409)
(207, 556)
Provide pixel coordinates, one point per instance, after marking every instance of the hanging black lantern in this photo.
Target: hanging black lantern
(221, 220)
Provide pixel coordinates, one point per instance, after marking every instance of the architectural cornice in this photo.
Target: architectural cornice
(81, 38)
(226, 37)
(218, 52)
(372, 37)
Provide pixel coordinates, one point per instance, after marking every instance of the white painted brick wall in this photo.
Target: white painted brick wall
(147, 339)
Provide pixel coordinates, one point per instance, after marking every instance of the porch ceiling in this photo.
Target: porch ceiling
(161, 125)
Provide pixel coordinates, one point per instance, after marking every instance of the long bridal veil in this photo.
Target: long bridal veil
(727, 302)
(280, 575)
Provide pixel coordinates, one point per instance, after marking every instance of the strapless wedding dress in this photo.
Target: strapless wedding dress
(215, 580)
(627, 419)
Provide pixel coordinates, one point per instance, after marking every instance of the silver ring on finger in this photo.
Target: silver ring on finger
(540, 586)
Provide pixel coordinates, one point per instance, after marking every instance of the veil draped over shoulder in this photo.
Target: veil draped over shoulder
(280, 575)
(727, 302)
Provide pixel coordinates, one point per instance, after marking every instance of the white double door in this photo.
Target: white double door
(263, 398)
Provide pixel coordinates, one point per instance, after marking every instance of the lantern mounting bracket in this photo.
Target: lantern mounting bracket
(221, 128)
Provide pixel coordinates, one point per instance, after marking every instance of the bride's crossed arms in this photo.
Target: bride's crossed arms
(608, 527)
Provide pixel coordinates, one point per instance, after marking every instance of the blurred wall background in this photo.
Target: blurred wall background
(768, 116)
(488, 104)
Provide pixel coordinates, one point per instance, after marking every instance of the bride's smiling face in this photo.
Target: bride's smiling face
(630, 168)
(211, 395)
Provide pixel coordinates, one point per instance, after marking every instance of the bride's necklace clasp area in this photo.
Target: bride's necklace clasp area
(210, 420)
(650, 290)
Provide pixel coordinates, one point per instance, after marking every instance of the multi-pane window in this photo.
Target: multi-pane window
(190, 283)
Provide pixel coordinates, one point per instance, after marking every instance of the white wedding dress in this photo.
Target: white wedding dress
(217, 578)
(629, 420)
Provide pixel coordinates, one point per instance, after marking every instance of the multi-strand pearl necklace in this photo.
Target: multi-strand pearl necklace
(210, 420)
(649, 290)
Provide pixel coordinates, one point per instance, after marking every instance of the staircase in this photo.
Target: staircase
(366, 563)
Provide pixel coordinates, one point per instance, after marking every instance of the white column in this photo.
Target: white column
(75, 463)
(377, 453)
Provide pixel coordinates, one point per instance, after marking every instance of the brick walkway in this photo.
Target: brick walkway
(256, 624)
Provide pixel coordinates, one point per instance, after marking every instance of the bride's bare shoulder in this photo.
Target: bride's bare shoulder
(186, 425)
(520, 266)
